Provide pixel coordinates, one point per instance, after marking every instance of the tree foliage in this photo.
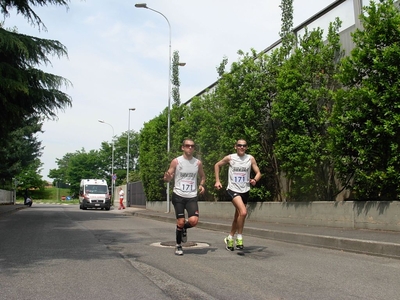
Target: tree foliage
(82, 164)
(175, 79)
(27, 94)
(287, 36)
(24, 8)
(153, 159)
(76, 166)
(24, 89)
(20, 149)
(242, 98)
(303, 106)
(121, 151)
(367, 111)
(29, 177)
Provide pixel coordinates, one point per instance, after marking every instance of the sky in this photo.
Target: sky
(118, 58)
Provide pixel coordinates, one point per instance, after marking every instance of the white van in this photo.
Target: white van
(93, 193)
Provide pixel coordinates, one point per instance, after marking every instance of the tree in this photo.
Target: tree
(121, 156)
(29, 177)
(154, 159)
(79, 165)
(175, 79)
(20, 149)
(367, 110)
(23, 8)
(60, 174)
(26, 92)
(235, 109)
(287, 36)
(201, 122)
(303, 107)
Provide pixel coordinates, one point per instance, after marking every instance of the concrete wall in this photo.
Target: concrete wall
(343, 214)
(7, 197)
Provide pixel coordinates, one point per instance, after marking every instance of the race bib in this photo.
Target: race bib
(240, 177)
(187, 185)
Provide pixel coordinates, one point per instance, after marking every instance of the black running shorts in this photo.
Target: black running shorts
(180, 204)
(232, 194)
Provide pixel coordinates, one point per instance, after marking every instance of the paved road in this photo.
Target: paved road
(61, 252)
(373, 242)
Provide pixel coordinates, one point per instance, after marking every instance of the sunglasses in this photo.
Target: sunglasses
(241, 145)
(189, 146)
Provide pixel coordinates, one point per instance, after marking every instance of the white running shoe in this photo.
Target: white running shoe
(178, 250)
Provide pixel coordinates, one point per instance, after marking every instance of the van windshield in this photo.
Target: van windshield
(96, 189)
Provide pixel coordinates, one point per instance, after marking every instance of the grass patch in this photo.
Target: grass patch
(48, 195)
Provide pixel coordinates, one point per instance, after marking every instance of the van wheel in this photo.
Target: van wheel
(107, 207)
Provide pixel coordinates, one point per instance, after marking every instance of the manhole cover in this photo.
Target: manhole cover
(171, 244)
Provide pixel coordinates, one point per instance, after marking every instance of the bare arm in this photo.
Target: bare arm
(255, 168)
(217, 168)
(202, 176)
(171, 171)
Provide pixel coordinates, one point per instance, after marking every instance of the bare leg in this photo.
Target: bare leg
(234, 223)
(240, 216)
(193, 221)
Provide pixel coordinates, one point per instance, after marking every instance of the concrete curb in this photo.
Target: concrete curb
(384, 249)
(329, 242)
(11, 209)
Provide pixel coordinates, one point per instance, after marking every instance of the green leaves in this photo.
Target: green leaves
(26, 92)
(366, 121)
(303, 105)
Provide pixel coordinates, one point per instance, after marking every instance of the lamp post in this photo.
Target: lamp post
(127, 150)
(112, 161)
(144, 5)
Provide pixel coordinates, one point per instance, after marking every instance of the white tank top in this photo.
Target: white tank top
(239, 173)
(186, 177)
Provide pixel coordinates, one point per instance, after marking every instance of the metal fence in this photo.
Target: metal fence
(135, 194)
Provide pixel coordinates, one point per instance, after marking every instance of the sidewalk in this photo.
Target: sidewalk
(372, 242)
(10, 208)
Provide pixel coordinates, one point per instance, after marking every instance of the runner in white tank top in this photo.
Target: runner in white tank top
(186, 177)
(185, 169)
(239, 181)
(239, 173)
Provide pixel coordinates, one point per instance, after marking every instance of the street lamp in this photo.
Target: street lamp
(112, 161)
(127, 150)
(144, 5)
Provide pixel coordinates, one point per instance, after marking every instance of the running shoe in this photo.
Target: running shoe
(184, 235)
(178, 250)
(239, 244)
(229, 244)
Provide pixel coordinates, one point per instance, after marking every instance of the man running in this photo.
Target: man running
(185, 169)
(239, 181)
